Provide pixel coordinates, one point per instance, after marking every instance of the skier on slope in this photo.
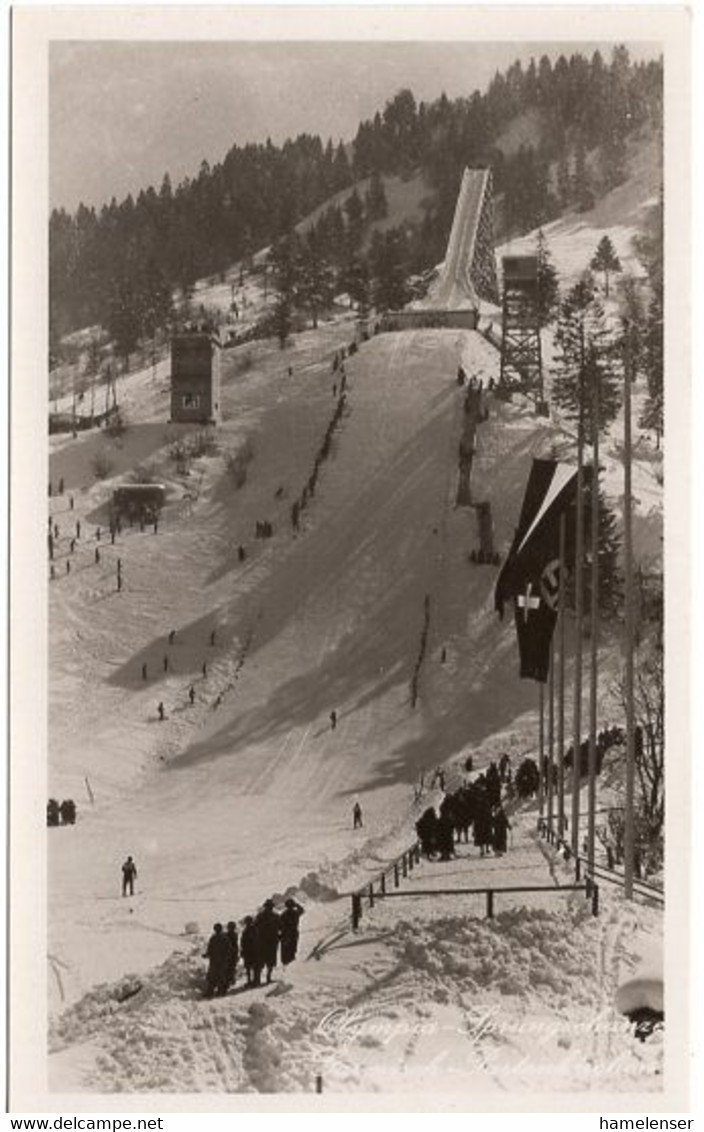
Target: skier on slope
(129, 876)
(357, 820)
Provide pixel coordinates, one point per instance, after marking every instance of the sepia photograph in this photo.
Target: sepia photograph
(342, 607)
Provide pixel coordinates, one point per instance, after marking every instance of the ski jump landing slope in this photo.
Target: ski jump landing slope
(248, 790)
(455, 287)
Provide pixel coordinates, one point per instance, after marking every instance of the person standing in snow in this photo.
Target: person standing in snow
(160, 709)
(234, 953)
(129, 876)
(192, 695)
(483, 825)
(268, 933)
(500, 827)
(249, 945)
(357, 820)
(446, 836)
(217, 953)
(333, 720)
(290, 930)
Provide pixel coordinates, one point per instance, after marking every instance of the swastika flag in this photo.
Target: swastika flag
(530, 576)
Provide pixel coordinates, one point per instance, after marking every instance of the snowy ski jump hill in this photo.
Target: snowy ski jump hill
(247, 792)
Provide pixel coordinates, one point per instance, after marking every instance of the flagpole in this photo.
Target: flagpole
(629, 839)
(594, 634)
(541, 748)
(579, 613)
(561, 688)
(551, 737)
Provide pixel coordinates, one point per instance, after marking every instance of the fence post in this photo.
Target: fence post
(489, 904)
(356, 910)
(383, 884)
(404, 865)
(588, 886)
(595, 900)
(410, 860)
(371, 895)
(577, 868)
(395, 874)
(319, 1083)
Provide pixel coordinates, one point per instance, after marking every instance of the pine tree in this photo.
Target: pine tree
(154, 299)
(358, 286)
(282, 318)
(548, 287)
(377, 205)
(649, 248)
(355, 220)
(586, 357)
(315, 282)
(283, 257)
(124, 322)
(606, 260)
(582, 190)
(564, 183)
(610, 577)
(390, 289)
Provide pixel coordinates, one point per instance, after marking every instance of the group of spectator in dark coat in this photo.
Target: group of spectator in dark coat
(322, 455)
(257, 946)
(475, 805)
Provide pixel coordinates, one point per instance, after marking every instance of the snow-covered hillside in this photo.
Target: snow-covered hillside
(248, 791)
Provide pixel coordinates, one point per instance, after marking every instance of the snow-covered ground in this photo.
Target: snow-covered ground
(248, 791)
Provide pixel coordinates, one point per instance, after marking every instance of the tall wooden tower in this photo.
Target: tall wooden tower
(521, 360)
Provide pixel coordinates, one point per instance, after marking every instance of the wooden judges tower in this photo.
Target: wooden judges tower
(521, 360)
(195, 376)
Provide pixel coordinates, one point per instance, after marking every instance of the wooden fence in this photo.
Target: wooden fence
(387, 883)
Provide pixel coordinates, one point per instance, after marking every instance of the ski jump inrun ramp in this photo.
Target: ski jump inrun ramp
(468, 274)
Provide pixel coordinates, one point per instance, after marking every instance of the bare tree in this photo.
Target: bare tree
(649, 704)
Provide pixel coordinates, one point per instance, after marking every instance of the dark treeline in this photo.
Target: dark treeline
(123, 254)
(578, 107)
(118, 266)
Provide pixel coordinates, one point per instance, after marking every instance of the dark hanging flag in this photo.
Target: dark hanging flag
(530, 576)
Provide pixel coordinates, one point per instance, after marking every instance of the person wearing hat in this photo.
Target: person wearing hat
(217, 953)
(268, 934)
(249, 946)
(289, 931)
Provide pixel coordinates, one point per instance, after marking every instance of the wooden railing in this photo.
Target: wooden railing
(380, 888)
(393, 873)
